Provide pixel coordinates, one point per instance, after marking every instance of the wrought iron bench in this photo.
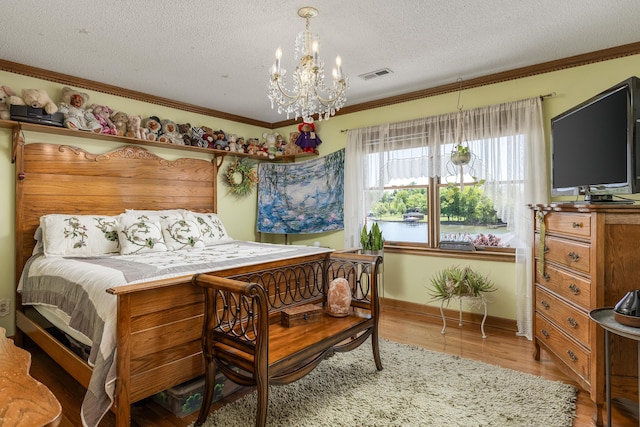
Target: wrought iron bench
(243, 337)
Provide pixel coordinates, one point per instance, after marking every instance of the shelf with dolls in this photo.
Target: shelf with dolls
(74, 116)
(18, 127)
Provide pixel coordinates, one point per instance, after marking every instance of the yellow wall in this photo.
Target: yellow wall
(405, 276)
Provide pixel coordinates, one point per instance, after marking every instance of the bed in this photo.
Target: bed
(157, 314)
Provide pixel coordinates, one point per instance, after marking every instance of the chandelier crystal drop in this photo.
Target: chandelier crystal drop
(309, 94)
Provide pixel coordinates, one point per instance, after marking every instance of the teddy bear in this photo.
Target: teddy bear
(232, 145)
(35, 98)
(5, 107)
(184, 129)
(154, 127)
(308, 140)
(220, 142)
(170, 132)
(76, 114)
(135, 129)
(240, 144)
(269, 144)
(252, 146)
(102, 114)
(120, 120)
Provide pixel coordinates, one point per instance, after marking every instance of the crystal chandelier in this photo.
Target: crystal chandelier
(310, 94)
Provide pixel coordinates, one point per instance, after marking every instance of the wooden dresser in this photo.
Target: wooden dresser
(586, 257)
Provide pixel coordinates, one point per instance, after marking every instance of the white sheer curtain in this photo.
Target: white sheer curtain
(508, 142)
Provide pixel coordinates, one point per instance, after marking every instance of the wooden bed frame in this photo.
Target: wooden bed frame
(159, 323)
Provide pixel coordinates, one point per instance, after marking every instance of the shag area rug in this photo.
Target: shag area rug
(417, 387)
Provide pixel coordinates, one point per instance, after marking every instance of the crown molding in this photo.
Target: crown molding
(517, 73)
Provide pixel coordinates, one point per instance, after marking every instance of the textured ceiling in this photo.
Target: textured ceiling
(217, 54)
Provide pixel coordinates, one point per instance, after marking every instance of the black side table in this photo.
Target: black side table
(604, 317)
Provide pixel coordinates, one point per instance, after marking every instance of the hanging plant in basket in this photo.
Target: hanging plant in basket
(240, 177)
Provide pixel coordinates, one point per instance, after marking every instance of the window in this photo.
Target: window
(508, 140)
(465, 213)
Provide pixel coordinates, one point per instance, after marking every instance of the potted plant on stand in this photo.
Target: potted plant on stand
(461, 283)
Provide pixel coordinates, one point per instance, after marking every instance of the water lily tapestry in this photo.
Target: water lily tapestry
(303, 197)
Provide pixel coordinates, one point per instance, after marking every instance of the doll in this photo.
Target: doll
(308, 140)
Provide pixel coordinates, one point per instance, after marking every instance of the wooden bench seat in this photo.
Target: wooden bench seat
(243, 338)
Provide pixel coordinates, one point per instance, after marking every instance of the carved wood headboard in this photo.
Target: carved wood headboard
(53, 178)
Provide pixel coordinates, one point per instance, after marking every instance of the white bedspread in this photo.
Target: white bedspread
(78, 287)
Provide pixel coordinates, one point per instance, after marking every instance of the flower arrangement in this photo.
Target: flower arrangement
(456, 281)
(248, 177)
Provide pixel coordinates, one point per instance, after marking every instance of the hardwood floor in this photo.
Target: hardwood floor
(500, 347)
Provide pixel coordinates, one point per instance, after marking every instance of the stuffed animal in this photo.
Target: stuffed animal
(102, 114)
(120, 120)
(220, 142)
(240, 144)
(184, 129)
(270, 144)
(154, 127)
(35, 98)
(252, 146)
(197, 137)
(170, 133)
(232, 145)
(76, 114)
(135, 129)
(308, 140)
(5, 107)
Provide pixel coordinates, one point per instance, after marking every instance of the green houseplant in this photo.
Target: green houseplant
(456, 281)
(371, 240)
(460, 155)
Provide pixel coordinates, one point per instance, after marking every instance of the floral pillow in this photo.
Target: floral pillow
(181, 234)
(139, 234)
(79, 235)
(156, 215)
(211, 228)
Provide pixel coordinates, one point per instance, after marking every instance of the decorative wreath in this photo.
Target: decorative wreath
(248, 177)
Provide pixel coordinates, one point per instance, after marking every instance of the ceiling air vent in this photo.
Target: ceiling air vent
(377, 73)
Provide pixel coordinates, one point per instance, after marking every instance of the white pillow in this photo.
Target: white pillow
(181, 234)
(140, 234)
(79, 235)
(211, 228)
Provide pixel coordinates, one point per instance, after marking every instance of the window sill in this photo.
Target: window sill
(494, 254)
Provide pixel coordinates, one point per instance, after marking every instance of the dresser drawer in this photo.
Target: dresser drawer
(569, 253)
(572, 287)
(570, 352)
(568, 224)
(575, 323)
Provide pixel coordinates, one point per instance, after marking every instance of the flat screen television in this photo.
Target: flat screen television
(595, 146)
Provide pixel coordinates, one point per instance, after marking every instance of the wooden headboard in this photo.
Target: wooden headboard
(53, 178)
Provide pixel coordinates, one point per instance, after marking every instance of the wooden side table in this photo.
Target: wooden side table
(604, 317)
(23, 400)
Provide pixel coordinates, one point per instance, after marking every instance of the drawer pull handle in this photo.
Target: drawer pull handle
(546, 248)
(545, 333)
(546, 276)
(573, 256)
(572, 356)
(576, 225)
(572, 322)
(574, 288)
(544, 304)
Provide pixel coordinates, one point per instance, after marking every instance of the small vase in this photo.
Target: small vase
(339, 297)
(629, 305)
